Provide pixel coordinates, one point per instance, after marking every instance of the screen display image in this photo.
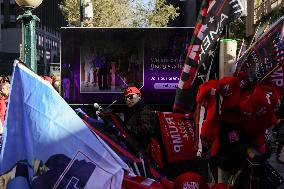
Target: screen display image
(110, 65)
(97, 64)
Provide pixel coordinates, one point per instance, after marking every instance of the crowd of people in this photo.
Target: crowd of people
(4, 94)
(104, 71)
(5, 91)
(227, 138)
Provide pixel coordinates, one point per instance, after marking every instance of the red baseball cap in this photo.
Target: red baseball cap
(209, 133)
(258, 108)
(233, 116)
(242, 75)
(206, 90)
(231, 89)
(190, 180)
(207, 95)
(46, 78)
(131, 90)
(210, 130)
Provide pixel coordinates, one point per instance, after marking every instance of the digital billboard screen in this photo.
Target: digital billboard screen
(98, 63)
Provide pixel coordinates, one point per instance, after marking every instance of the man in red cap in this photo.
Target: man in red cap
(139, 118)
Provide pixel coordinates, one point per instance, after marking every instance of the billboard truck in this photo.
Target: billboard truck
(98, 63)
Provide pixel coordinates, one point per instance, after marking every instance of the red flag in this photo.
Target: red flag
(178, 136)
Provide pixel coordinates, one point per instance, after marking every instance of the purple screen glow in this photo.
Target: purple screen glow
(98, 63)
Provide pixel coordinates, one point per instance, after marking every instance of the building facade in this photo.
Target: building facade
(47, 34)
(188, 13)
(256, 9)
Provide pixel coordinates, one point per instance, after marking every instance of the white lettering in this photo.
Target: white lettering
(278, 82)
(169, 120)
(277, 73)
(176, 139)
(206, 43)
(223, 17)
(214, 32)
(177, 148)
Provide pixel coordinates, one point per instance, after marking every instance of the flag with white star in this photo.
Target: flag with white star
(265, 55)
(200, 63)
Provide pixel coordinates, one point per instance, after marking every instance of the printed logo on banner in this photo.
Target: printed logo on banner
(277, 77)
(190, 185)
(77, 173)
(177, 132)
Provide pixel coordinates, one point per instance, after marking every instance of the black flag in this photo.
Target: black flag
(213, 17)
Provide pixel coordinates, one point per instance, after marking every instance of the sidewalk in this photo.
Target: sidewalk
(277, 165)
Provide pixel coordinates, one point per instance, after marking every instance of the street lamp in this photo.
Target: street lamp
(28, 50)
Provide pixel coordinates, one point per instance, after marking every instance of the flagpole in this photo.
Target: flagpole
(255, 34)
(81, 13)
(240, 51)
(247, 52)
(269, 73)
(227, 30)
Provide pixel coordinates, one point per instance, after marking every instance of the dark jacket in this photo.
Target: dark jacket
(140, 121)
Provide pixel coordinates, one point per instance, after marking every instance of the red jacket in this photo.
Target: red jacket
(2, 111)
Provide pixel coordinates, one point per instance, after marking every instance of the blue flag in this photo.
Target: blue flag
(46, 145)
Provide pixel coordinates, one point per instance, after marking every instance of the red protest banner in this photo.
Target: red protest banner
(178, 134)
(277, 77)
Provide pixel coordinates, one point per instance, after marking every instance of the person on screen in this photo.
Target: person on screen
(139, 118)
(101, 67)
(122, 68)
(76, 88)
(89, 71)
(66, 76)
(134, 68)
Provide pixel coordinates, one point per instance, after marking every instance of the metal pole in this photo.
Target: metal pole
(81, 13)
(29, 37)
(227, 30)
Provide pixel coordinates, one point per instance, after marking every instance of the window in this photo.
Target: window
(12, 10)
(39, 40)
(2, 8)
(1, 19)
(47, 55)
(12, 18)
(38, 55)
